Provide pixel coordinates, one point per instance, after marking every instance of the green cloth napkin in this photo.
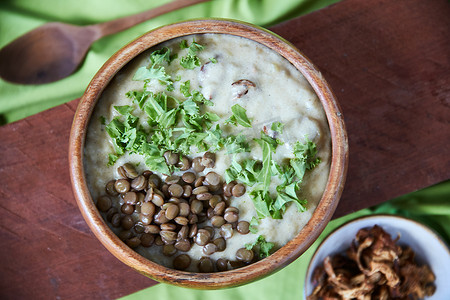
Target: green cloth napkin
(20, 16)
(429, 206)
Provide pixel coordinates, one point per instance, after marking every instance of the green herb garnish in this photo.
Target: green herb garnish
(253, 172)
(123, 110)
(261, 246)
(156, 71)
(277, 126)
(191, 60)
(239, 116)
(254, 225)
(112, 158)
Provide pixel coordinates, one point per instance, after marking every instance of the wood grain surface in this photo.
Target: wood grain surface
(388, 63)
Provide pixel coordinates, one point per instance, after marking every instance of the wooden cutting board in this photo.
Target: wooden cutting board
(389, 65)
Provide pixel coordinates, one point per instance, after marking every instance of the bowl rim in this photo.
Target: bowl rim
(285, 255)
(376, 217)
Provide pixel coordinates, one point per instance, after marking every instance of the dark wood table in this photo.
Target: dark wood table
(389, 65)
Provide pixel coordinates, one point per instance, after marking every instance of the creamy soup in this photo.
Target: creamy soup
(253, 94)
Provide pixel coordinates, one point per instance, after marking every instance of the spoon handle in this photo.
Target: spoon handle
(118, 25)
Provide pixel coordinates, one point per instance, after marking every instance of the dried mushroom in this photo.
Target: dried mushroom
(241, 87)
(374, 267)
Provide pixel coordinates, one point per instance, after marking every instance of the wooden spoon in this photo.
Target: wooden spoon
(55, 50)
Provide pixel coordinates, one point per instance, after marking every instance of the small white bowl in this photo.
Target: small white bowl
(429, 247)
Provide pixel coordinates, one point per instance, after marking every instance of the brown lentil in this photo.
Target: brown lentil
(181, 220)
(209, 248)
(154, 229)
(110, 213)
(121, 172)
(222, 264)
(204, 196)
(211, 232)
(147, 173)
(183, 245)
(184, 209)
(139, 183)
(110, 190)
(199, 181)
(197, 165)
(147, 239)
(208, 159)
(202, 217)
(139, 228)
(145, 219)
(125, 235)
(214, 188)
(168, 236)
(236, 264)
(165, 190)
(238, 190)
(181, 262)
(193, 230)
(172, 211)
(212, 178)
(232, 208)
(193, 218)
(171, 157)
(140, 197)
(127, 222)
(169, 250)
(154, 181)
(115, 220)
(127, 209)
(220, 243)
(188, 177)
(159, 241)
(187, 191)
(172, 179)
(227, 188)
(184, 163)
(168, 226)
(122, 186)
(205, 265)
(226, 231)
(148, 208)
(244, 255)
(202, 237)
(210, 213)
(133, 242)
(158, 200)
(130, 198)
(196, 207)
(214, 200)
(176, 190)
(149, 195)
(200, 190)
(104, 203)
(220, 208)
(231, 216)
(130, 171)
(183, 232)
(160, 217)
(217, 221)
(174, 200)
(243, 227)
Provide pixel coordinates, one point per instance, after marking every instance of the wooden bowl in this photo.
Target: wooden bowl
(277, 260)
